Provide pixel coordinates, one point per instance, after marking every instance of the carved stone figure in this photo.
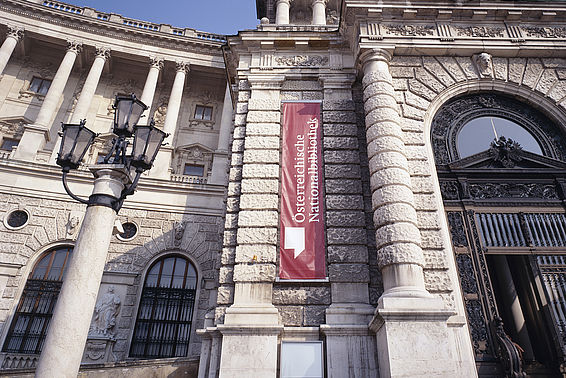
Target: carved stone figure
(484, 64)
(72, 224)
(105, 314)
(179, 232)
(159, 114)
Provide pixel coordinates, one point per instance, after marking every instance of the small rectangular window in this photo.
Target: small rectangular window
(203, 112)
(8, 144)
(39, 85)
(194, 170)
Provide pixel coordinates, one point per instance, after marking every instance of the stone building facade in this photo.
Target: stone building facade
(444, 247)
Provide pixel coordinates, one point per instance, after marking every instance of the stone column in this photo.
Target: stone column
(347, 334)
(14, 35)
(251, 324)
(162, 166)
(156, 65)
(68, 329)
(219, 174)
(90, 84)
(412, 333)
(35, 136)
(282, 12)
(87, 93)
(319, 12)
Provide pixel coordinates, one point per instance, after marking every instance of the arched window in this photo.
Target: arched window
(163, 324)
(31, 320)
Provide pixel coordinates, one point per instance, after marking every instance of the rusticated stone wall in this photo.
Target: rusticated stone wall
(423, 82)
(49, 226)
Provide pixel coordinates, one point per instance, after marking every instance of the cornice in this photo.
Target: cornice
(112, 30)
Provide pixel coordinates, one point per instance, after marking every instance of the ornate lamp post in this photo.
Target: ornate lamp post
(68, 329)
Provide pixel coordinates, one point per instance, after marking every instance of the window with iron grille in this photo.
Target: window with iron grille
(35, 309)
(163, 324)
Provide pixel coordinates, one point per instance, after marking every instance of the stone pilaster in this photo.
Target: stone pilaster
(319, 12)
(14, 35)
(162, 165)
(35, 136)
(282, 12)
(251, 325)
(220, 160)
(155, 67)
(346, 329)
(412, 333)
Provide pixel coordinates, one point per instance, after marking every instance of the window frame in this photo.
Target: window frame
(195, 308)
(11, 322)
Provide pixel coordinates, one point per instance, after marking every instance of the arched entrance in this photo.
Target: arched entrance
(502, 173)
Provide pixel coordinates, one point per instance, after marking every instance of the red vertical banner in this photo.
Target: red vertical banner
(301, 224)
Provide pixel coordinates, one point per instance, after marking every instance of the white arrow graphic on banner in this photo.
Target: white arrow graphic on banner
(295, 239)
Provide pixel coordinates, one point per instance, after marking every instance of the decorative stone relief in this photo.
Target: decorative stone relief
(105, 314)
(410, 30)
(484, 64)
(73, 223)
(74, 46)
(457, 229)
(480, 31)
(302, 61)
(505, 190)
(541, 32)
(16, 32)
(194, 154)
(13, 127)
(159, 114)
(179, 230)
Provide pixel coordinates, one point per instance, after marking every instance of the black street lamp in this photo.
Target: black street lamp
(77, 139)
(133, 148)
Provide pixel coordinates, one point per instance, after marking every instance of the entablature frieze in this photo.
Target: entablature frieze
(116, 36)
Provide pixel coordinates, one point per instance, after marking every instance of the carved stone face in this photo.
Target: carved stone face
(484, 61)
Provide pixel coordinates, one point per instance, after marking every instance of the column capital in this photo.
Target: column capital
(324, 2)
(75, 46)
(370, 55)
(288, 2)
(156, 62)
(182, 66)
(16, 32)
(103, 52)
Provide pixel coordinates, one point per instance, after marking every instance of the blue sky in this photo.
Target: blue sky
(216, 16)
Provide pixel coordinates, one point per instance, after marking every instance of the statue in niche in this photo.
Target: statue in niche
(105, 314)
(484, 64)
(179, 232)
(159, 114)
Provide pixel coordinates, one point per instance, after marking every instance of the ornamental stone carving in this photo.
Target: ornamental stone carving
(160, 114)
(541, 32)
(179, 231)
(480, 31)
(302, 61)
(506, 152)
(410, 30)
(105, 314)
(156, 62)
(16, 32)
(103, 52)
(74, 46)
(181, 66)
(484, 64)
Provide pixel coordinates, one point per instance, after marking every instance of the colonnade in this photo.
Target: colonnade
(37, 134)
(318, 12)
